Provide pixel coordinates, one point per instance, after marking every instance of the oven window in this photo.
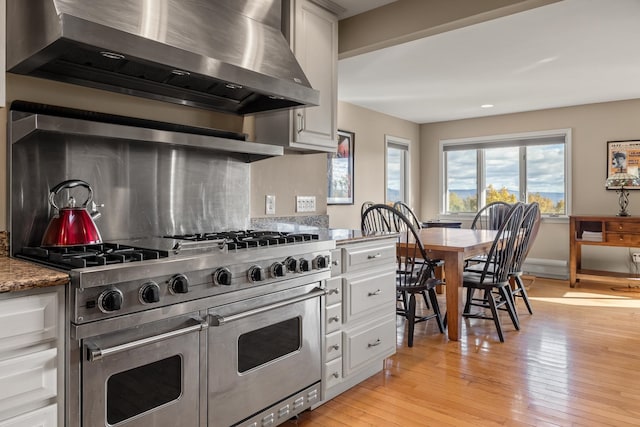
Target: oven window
(262, 345)
(138, 390)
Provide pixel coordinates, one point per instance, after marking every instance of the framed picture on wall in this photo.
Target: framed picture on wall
(623, 157)
(340, 171)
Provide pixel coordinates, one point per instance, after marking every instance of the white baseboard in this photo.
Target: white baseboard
(551, 268)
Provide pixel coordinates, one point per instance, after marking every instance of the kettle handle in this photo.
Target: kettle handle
(71, 183)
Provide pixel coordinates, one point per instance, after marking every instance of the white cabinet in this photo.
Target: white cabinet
(312, 32)
(43, 417)
(362, 291)
(32, 358)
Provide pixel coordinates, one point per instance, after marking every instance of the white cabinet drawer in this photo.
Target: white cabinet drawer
(366, 255)
(28, 378)
(333, 346)
(43, 417)
(372, 341)
(333, 373)
(333, 319)
(334, 291)
(28, 320)
(369, 292)
(336, 262)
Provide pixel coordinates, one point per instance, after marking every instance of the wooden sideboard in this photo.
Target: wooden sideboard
(601, 231)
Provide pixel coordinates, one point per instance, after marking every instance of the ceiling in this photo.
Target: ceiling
(568, 53)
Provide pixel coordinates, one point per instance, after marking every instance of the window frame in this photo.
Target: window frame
(494, 140)
(402, 144)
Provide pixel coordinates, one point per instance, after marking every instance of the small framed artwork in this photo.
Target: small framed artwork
(623, 157)
(340, 171)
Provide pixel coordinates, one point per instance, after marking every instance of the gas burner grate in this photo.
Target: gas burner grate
(90, 255)
(242, 239)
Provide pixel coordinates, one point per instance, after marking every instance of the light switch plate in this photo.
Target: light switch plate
(305, 203)
(270, 204)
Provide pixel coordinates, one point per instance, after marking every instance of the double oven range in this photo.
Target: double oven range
(214, 329)
(169, 329)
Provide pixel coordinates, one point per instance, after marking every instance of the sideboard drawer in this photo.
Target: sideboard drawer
(623, 238)
(622, 227)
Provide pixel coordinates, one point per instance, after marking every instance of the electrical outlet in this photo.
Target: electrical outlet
(636, 257)
(270, 205)
(305, 203)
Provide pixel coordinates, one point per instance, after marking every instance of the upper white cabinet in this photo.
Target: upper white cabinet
(312, 32)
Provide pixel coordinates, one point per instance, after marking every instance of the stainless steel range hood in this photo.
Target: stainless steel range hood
(224, 55)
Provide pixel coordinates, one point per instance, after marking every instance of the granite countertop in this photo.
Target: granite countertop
(344, 235)
(18, 275)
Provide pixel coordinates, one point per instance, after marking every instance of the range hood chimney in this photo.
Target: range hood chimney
(224, 55)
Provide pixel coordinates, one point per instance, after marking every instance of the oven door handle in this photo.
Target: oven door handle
(217, 320)
(94, 352)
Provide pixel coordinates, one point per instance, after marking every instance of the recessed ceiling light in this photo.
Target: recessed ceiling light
(486, 106)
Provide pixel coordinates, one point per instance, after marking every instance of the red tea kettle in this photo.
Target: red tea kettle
(71, 225)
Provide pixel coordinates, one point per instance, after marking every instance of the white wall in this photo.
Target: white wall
(370, 128)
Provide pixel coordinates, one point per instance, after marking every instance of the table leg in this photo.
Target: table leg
(439, 273)
(453, 266)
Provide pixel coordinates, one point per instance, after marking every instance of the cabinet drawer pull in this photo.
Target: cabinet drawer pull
(373, 294)
(334, 319)
(334, 347)
(300, 123)
(378, 255)
(335, 262)
(335, 375)
(375, 344)
(333, 291)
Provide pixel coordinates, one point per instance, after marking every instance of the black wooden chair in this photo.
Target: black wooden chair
(492, 280)
(364, 207)
(408, 212)
(491, 216)
(527, 235)
(414, 271)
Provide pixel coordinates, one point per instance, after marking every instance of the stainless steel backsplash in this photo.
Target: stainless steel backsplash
(147, 189)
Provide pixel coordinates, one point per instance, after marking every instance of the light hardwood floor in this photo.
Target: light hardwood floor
(574, 362)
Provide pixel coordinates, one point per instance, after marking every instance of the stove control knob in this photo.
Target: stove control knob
(304, 265)
(255, 274)
(292, 264)
(149, 293)
(179, 284)
(278, 269)
(222, 276)
(321, 262)
(110, 300)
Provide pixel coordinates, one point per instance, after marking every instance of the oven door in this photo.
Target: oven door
(145, 376)
(262, 351)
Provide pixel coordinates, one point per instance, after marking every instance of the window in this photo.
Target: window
(524, 167)
(397, 169)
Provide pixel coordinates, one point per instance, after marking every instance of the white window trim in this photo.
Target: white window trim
(396, 140)
(566, 133)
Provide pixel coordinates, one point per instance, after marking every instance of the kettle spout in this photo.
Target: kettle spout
(95, 213)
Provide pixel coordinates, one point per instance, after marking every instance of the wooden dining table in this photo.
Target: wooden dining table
(454, 246)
